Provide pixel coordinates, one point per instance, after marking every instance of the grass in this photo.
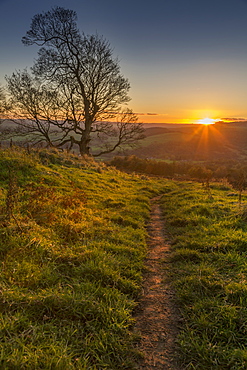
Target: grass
(209, 268)
(72, 244)
(72, 248)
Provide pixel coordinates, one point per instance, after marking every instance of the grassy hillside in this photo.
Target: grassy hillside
(72, 247)
(218, 142)
(72, 243)
(195, 142)
(209, 269)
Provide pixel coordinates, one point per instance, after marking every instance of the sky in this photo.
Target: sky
(186, 60)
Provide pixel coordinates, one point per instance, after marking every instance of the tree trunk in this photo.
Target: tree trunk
(85, 139)
(84, 147)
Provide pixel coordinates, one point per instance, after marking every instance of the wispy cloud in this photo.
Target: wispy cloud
(233, 119)
(146, 114)
(151, 114)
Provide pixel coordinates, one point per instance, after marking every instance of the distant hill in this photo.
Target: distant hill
(220, 141)
(242, 124)
(165, 141)
(151, 131)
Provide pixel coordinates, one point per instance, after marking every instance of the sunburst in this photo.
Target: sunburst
(206, 121)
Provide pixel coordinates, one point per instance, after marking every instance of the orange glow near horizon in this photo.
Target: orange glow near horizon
(190, 116)
(205, 117)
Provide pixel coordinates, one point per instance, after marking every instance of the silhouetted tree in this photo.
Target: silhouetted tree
(238, 179)
(37, 107)
(202, 174)
(2, 101)
(75, 88)
(221, 172)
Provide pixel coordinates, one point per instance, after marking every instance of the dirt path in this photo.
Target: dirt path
(157, 316)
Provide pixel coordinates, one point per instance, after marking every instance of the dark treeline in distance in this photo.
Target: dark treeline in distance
(229, 172)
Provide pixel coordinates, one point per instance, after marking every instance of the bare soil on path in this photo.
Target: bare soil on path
(157, 316)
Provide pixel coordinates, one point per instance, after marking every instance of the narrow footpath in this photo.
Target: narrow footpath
(157, 316)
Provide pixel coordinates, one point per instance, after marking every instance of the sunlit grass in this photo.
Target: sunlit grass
(209, 275)
(72, 248)
(71, 253)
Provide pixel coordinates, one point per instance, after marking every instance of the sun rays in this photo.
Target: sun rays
(207, 138)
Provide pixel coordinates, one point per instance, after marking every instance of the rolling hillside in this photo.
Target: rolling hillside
(222, 141)
(72, 245)
(73, 242)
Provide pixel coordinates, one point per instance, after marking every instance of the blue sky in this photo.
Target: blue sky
(185, 59)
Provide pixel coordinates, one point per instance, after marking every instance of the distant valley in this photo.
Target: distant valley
(221, 141)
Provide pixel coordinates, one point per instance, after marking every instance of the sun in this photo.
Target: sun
(206, 121)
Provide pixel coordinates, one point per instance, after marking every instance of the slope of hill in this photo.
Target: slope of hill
(152, 131)
(221, 141)
(209, 234)
(72, 244)
(194, 142)
(72, 249)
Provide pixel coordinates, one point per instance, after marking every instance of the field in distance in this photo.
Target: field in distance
(221, 141)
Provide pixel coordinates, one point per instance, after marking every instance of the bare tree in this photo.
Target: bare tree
(2, 101)
(126, 130)
(35, 109)
(75, 90)
(238, 179)
(4, 108)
